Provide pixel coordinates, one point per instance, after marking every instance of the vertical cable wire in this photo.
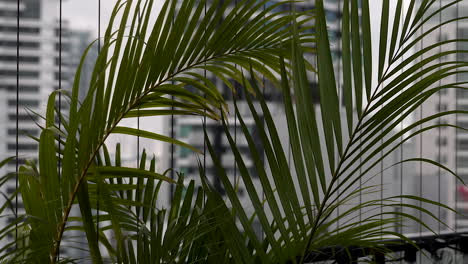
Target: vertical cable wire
(360, 173)
(401, 159)
(382, 178)
(204, 110)
(456, 130)
(262, 233)
(263, 149)
(421, 151)
(290, 72)
(401, 179)
(17, 119)
(337, 156)
(234, 98)
(263, 92)
(289, 138)
(139, 183)
(59, 163)
(172, 131)
(97, 186)
(439, 128)
(137, 213)
(172, 148)
(60, 85)
(381, 171)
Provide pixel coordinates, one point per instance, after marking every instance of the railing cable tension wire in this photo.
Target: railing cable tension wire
(97, 185)
(17, 119)
(439, 130)
(59, 163)
(456, 130)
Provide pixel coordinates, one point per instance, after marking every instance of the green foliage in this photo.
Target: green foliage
(311, 200)
(143, 69)
(146, 70)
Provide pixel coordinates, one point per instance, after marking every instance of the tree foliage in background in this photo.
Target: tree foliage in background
(146, 69)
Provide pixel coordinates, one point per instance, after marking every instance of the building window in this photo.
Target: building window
(184, 170)
(62, 47)
(462, 162)
(12, 146)
(334, 35)
(442, 141)
(22, 117)
(22, 88)
(441, 122)
(8, 13)
(62, 76)
(23, 74)
(11, 190)
(65, 33)
(462, 93)
(442, 107)
(462, 107)
(184, 152)
(463, 124)
(442, 158)
(462, 45)
(241, 192)
(24, 30)
(463, 176)
(332, 15)
(185, 131)
(57, 62)
(462, 144)
(23, 102)
(22, 44)
(30, 59)
(21, 161)
(32, 132)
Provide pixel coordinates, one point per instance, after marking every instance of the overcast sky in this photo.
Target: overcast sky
(83, 14)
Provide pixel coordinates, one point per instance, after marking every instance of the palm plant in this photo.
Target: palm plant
(143, 70)
(312, 197)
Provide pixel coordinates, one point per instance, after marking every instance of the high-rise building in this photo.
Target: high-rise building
(47, 55)
(447, 145)
(41, 48)
(189, 129)
(35, 78)
(78, 41)
(27, 76)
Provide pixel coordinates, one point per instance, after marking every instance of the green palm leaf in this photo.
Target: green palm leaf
(314, 204)
(143, 70)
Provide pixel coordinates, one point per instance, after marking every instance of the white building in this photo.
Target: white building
(37, 67)
(189, 129)
(41, 49)
(446, 145)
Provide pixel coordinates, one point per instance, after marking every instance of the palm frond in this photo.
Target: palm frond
(144, 70)
(329, 162)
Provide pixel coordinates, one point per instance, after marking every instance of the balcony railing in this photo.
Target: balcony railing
(446, 247)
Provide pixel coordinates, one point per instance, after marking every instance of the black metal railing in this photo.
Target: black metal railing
(446, 247)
